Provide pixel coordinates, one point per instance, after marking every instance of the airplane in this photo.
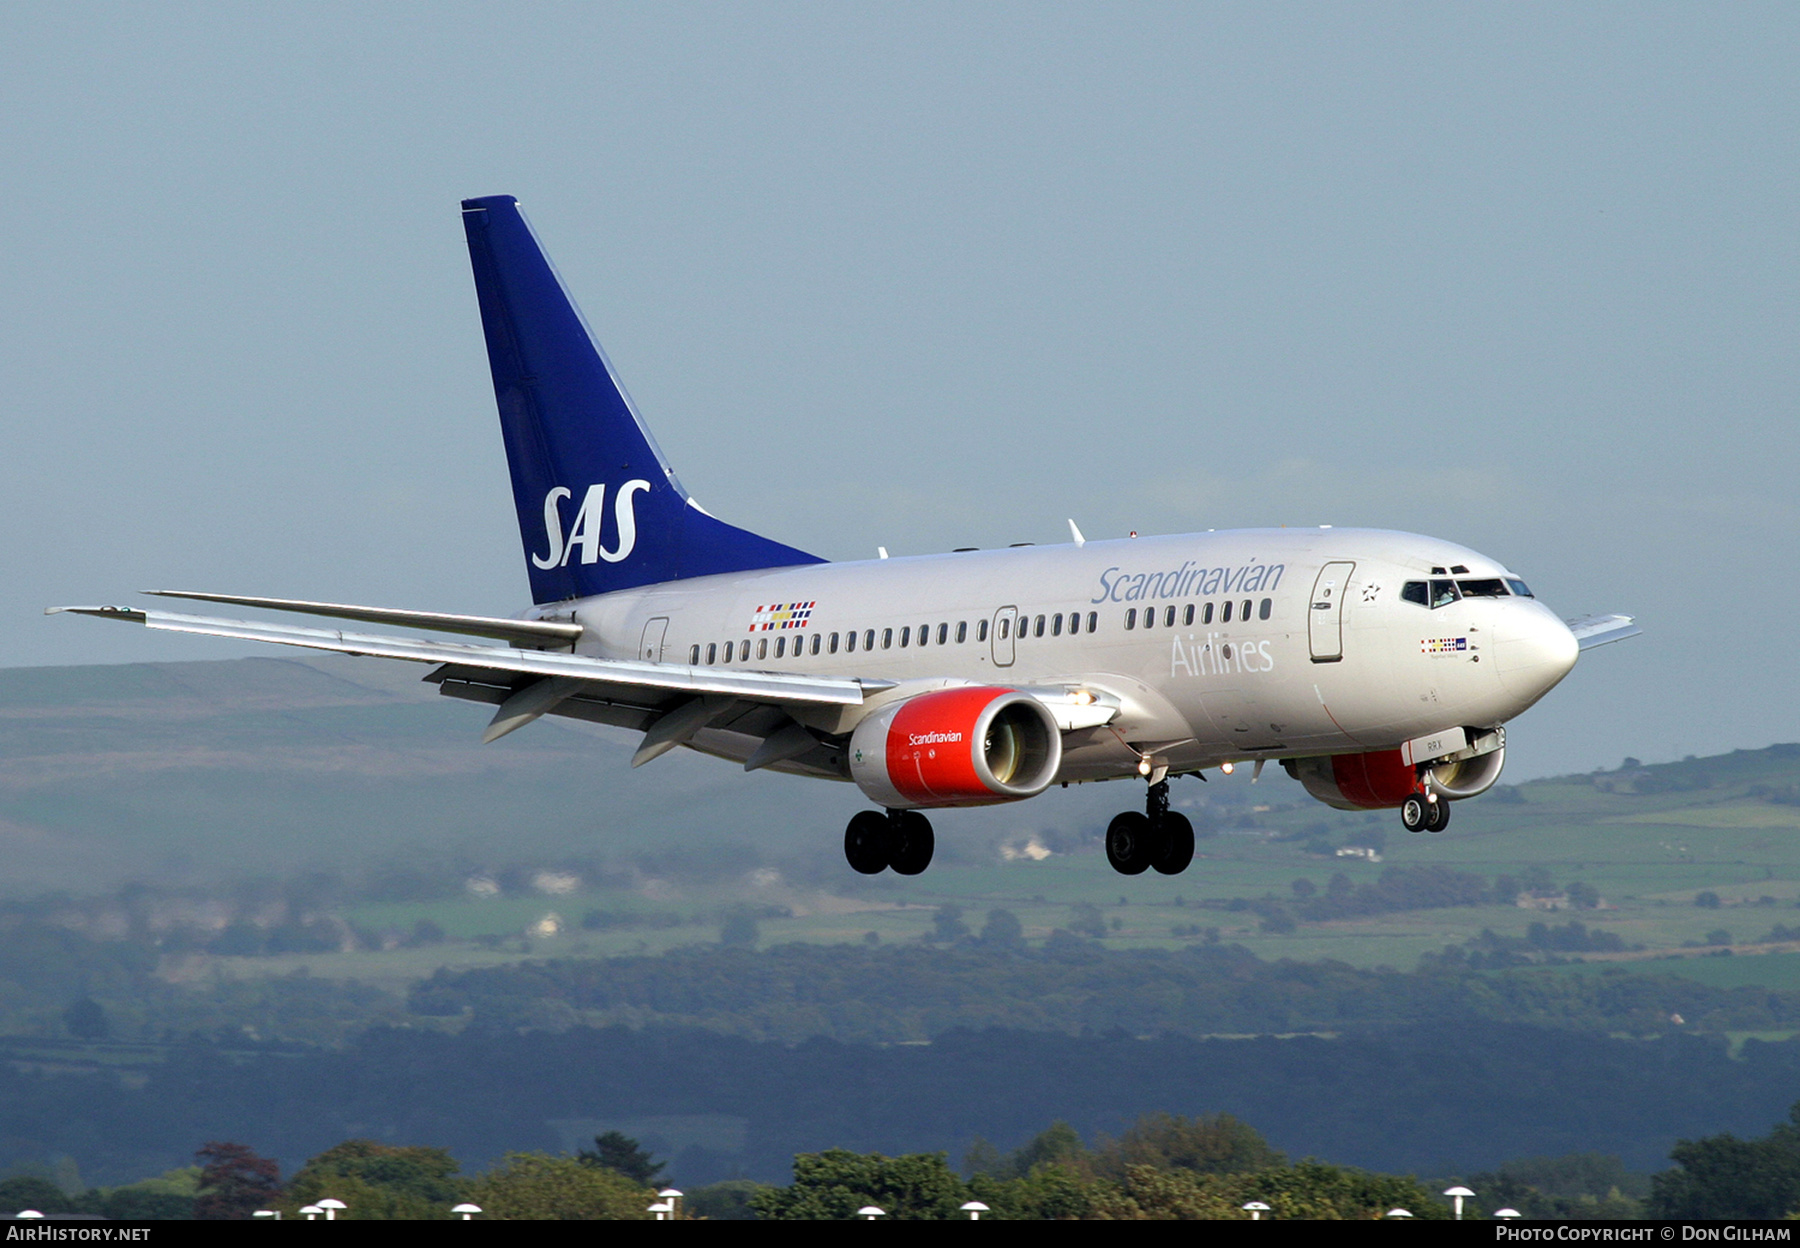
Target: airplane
(1378, 668)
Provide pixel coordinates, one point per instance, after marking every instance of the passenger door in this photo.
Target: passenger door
(1325, 619)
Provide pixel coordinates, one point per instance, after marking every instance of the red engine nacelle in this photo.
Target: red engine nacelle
(1384, 778)
(969, 746)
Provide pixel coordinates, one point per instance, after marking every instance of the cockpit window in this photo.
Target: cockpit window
(1482, 589)
(1518, 587)
(1443, 593)
(1416, 591)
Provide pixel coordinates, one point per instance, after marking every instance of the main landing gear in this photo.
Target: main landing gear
(877, 840)
(1160, 837)
(1425, 812)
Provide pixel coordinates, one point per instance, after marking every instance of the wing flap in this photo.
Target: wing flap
(754, 686)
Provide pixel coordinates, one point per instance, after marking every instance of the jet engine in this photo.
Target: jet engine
(1356, 781)
(967, 746)
(1383, 778)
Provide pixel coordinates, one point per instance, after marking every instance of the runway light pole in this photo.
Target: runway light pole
(311, 1211)
(331, 1208)
(468, 1211)
(1458, 1194)
(869, 1213)
(1399, 1215)
(974, 1209)
(1507, 1214)
(1256, 1209)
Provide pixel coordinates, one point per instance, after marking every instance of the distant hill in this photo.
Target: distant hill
(202, 772)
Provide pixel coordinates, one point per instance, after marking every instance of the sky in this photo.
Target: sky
(925, 276)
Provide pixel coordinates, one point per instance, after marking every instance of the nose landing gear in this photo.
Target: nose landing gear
(901, 839)
(1159, 838)
(1425, 812)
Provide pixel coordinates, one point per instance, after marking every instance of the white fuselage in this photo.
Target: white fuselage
(1331, 658)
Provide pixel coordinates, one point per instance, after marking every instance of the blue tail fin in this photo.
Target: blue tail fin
(599, 507)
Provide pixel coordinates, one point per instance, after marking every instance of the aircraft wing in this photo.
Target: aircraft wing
(653, 678)
(525, 632)
(1599, 630)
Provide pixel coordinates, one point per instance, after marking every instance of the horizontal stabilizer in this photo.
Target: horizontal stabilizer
(530, 632)
(1599, 630)
(630, 673)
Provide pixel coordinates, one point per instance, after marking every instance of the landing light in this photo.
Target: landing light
(1143, 766)
(1227, 768)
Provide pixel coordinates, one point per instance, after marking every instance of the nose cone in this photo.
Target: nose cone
(1535, 651)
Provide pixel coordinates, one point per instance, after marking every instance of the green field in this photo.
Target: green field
(215, 780)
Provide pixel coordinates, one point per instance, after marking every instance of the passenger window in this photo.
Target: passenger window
(1262, 612)
(1074, 622)
(712, 652)
(1244, 611)
(1039, 630)
(817, 638)
(744, 651)
(1443, 593)
(850, 642)
(943, 633)
(1149, 617)
(1131, 618)
(694, 655)
(1093, 620)
(980, 630)
(924, 634)
(887, 639)
(1225, 615)
(780, 647)
(1206, 615)
(725, 651)
(1187, 616)
(1005, 625)
(1169, 618)
(1416, 591)
(962, 631)
(834, 643)
(1056, 625)
(868, 639)
(905, 636)
(762, 649)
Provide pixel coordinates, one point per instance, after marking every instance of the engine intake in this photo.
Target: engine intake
(969, 746)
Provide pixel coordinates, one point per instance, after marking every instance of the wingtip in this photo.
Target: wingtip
(105, 613)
